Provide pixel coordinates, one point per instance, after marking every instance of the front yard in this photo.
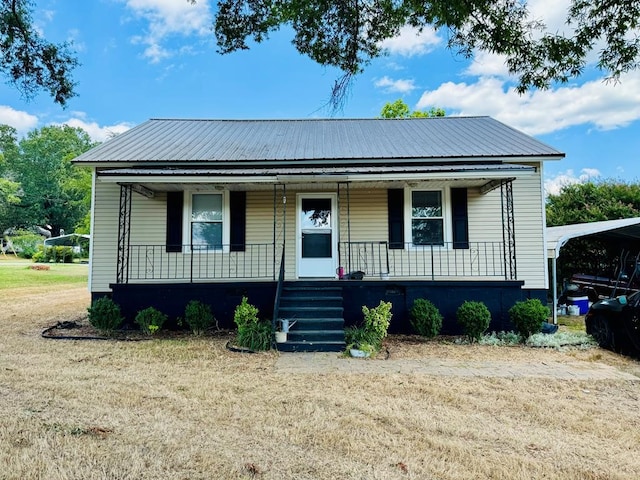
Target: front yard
(189, 408)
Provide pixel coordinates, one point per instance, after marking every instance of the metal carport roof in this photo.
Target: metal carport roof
(557, 237)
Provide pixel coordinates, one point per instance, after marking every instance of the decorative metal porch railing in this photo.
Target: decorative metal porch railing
(153, 262)
(481, 259)
(263, 261)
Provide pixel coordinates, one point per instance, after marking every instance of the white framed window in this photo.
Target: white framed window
(426, 213)
(206, 221)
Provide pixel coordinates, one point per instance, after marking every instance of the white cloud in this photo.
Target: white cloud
(169, 18)
(23, 122)
(488, 64)
(392, 86)
(96, 132)
(604, 105)
(411, 42)
(552, 186)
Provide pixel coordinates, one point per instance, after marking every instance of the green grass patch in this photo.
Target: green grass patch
(573, 323)
(20, 275)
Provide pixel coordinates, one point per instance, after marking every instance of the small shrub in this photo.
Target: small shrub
(104, 314)
(377, 321)
(425, 318)
(500, 339)
(150, 320)
(562, 340)
(474, 318)
(253, 333)
(528, 316)
(198, 316)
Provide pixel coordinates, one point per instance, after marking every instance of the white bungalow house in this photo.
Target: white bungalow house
(311, 219)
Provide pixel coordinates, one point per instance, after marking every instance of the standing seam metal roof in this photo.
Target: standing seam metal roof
(166, 140)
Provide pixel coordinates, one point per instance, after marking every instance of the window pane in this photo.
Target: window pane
(316, 245)
(206, 234)
(207, 208)
(427, 232)
(316, 213)
(426, 204)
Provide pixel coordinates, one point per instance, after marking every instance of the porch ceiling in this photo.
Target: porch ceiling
(173, 179)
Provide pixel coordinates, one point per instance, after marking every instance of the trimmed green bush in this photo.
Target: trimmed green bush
(425, 318)
(26, 243)
(198, 316)
(104, 314)
(253, 333)
(474, 317)
(150, 320)
(528, 316)
(377, 321)
(56, 254)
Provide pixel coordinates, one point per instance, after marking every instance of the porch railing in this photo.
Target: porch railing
(262, 261)
(153, 262)
(481, 259)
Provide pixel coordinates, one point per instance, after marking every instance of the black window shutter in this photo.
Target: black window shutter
(175, 203)
(238, 214)
(395, 206)
(460, 218)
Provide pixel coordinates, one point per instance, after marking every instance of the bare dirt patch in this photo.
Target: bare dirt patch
(189, 408)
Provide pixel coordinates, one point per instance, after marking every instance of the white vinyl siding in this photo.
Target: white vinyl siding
(363, 210)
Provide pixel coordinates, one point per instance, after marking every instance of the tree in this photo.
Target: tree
(52, 190)
(349, 34)
(591, 202)
(399, 109)
(9, 190)
(30, 62)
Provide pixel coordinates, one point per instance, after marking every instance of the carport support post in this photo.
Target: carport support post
(555, 291)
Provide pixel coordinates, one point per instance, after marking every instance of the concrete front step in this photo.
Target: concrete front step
(311, 346)
(315, 336)
(294, 312)
(332, 323)
(328, 301)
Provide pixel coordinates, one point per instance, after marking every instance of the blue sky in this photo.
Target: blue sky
(157, 59)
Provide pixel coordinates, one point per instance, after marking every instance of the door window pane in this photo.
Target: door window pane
(316, 245)
(316, 213)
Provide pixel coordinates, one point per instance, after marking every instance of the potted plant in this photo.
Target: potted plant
(281, 337)
(361, 350)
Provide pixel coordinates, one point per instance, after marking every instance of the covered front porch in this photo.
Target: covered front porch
(321, 231)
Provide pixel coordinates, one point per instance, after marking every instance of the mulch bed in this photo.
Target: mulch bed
(81, 329)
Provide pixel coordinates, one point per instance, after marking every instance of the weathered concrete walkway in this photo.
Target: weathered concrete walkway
(336, 363)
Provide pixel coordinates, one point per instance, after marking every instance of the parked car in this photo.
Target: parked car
(615, 324)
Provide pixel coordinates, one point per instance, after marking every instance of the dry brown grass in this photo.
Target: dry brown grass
(190, 409)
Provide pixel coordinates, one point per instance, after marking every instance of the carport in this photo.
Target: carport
(623, 231)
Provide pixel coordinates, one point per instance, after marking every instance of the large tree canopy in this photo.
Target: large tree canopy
(30, 62)
(52, 191)
(348, 34)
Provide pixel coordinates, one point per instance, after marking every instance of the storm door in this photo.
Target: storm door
(316, 235)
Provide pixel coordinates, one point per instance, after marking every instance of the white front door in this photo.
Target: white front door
(317, 242)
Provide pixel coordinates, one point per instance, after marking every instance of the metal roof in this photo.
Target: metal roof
(339, 140)
(557, 237)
